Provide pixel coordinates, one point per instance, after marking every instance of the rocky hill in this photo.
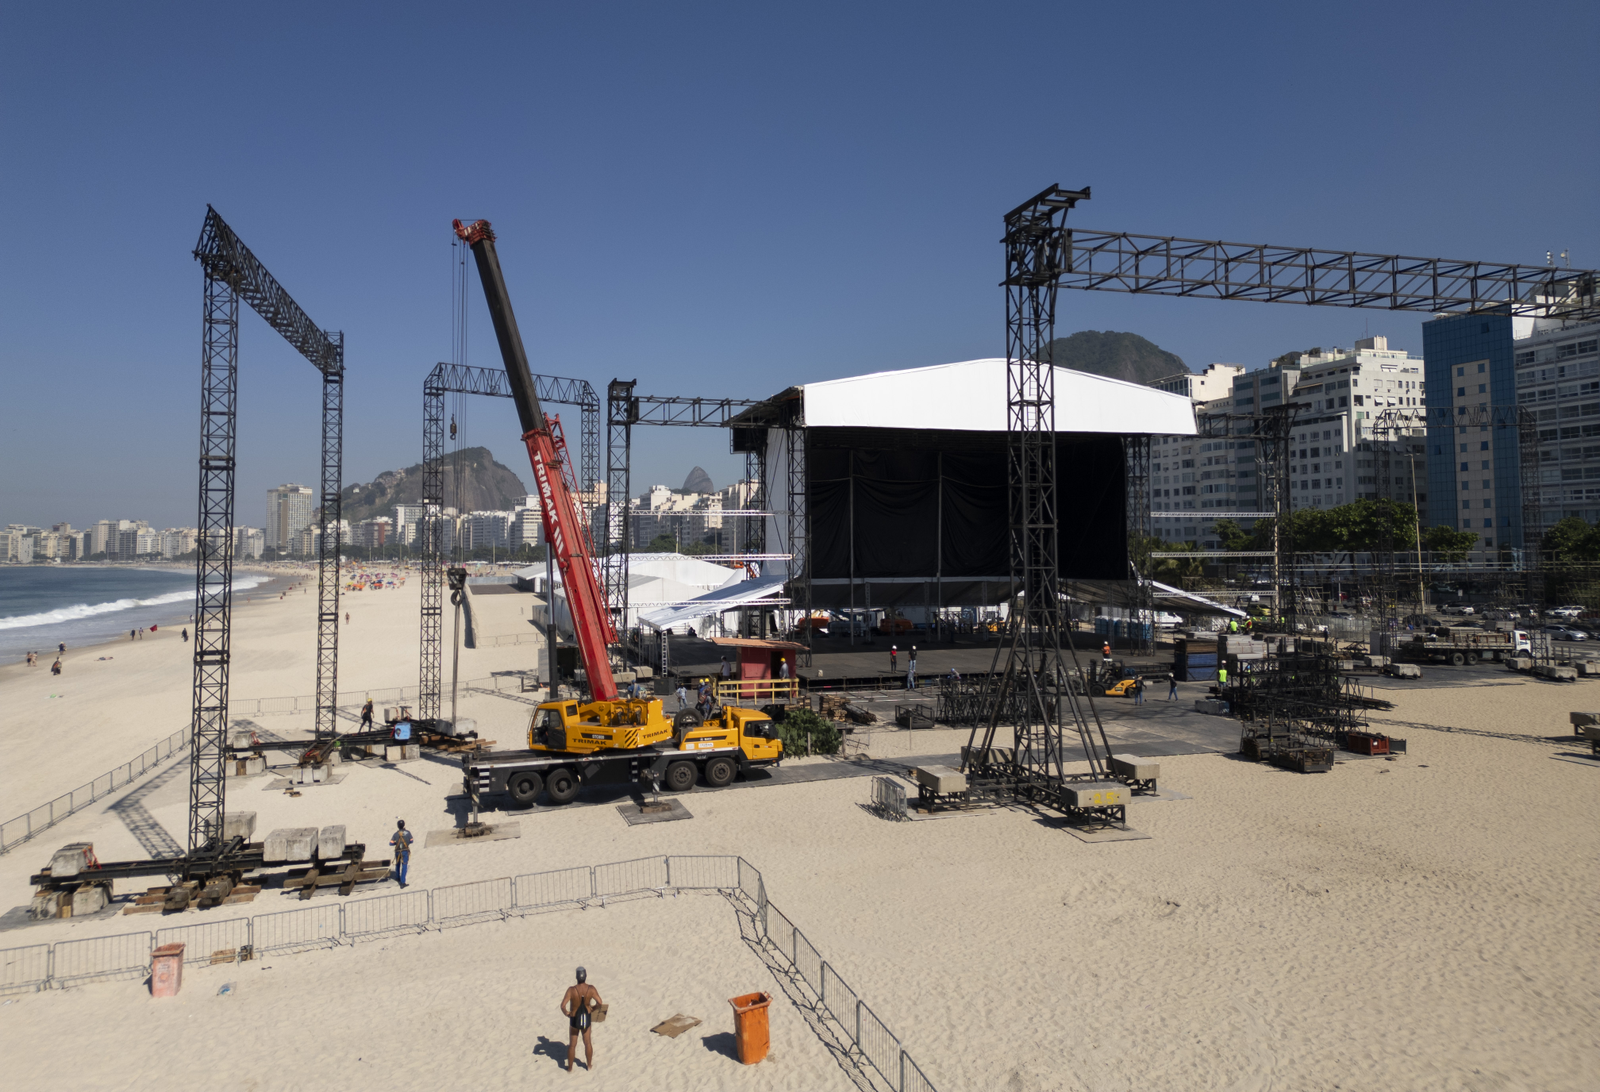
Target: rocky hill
(1117, 355)
(485, 484)
(698, 481)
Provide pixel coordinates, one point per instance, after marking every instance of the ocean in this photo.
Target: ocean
(42, 606)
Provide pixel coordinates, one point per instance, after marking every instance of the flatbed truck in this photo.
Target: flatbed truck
(1461, 645)
(717, 750)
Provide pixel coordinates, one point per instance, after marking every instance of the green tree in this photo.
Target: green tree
(1234, 537)
(1448, 544)
(805, 732)
(1167, 563)
(1573, 540)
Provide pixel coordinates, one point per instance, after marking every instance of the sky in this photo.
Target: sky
(713, 199)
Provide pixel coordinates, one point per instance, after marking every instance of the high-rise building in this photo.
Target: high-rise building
(289, 509)
(1487, 364)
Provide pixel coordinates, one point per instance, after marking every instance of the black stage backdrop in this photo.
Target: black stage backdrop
(888, 491)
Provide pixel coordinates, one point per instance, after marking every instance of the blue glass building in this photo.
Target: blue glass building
(1474, 471)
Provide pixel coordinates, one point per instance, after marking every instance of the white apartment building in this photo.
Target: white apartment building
(289, 511)
(1557, 368)
(16, 547)
(1207, 386)
(1336, 456)
(177, 541)
(373, 534)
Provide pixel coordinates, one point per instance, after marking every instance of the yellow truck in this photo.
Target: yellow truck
(627, 741)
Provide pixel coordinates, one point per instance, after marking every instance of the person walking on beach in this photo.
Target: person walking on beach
(1172, 687)
(185, 635)
(62, 648)
(31, 660)
(401, 841)
(133, 635)
(366, 714)
(578, 1006)
(347, 618)
(55, 668)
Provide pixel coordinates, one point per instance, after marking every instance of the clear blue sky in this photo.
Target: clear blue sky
(708, 198)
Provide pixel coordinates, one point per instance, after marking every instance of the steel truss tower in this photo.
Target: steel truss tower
(233, 273)
(1035, 686)
(461, 379)
(624, 409)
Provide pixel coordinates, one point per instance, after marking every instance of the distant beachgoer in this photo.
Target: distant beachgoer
(401, 841)
(133, 635)
(31, 660)
(186, 636)
(578, 1006)
(366, 714)
(62, 648)
(55, 668)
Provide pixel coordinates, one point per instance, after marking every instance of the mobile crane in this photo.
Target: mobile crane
(608, 737)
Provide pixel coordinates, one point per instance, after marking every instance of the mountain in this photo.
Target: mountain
(485, 485)
(698, 481)
(1117, 355)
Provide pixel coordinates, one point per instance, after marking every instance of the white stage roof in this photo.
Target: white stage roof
(971, 396)
(731, 597)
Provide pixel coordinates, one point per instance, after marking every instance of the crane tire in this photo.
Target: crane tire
(720, 771)
(687, 718)
(680, 777)
(562, 785)
(525, 787)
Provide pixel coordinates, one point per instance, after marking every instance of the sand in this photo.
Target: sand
(1422, 923)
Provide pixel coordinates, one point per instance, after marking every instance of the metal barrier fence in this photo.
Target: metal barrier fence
(127, 955)
(16, 831)
(889, 799)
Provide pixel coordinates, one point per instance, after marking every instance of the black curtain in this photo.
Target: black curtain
(887, 491)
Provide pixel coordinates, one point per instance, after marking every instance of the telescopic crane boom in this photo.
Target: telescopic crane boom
(564, 528)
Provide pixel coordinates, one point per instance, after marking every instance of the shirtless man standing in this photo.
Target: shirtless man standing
(578, 1007)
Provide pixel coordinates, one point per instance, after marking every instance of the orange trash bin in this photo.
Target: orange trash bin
(166, 970)
(750, 1026)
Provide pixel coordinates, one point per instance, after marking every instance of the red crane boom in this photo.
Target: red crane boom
(564, 529)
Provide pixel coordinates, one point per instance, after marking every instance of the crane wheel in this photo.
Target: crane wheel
(524, 787)
(687, 718)
(720, 772)
(562, 786)
(680, 777)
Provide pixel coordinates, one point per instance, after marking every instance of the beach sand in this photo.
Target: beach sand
(1422, 923)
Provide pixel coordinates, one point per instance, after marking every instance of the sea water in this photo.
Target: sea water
(42, 606)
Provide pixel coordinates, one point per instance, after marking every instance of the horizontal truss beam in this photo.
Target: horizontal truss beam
(1121, 261)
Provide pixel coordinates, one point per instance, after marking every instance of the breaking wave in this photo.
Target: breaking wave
(78, 611)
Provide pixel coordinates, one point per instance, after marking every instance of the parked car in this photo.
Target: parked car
(1562, 633)
(1565, 612)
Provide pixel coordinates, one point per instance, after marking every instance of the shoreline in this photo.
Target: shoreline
(181, 615)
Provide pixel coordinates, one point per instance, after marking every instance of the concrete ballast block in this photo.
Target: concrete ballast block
(45, 905)
(71, 859)
(239, 824)
(239, 738)
(941, 779)
(402, 752)
(1136, 767)
(289, 844)
(330, 842)
(1579, 720)
(1096, 794)
(89, 898)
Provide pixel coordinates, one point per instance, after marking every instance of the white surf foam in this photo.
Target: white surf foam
(78, 611)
